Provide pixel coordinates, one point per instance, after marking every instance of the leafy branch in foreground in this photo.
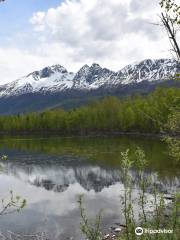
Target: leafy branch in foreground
(90, 228)
(157, 219)
(14, 203)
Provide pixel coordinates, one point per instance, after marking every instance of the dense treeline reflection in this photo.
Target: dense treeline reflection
(101, 151)
(142, 114)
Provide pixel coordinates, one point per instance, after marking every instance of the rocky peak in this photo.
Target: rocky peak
(91, 74)
(58, 68)
(47, 72)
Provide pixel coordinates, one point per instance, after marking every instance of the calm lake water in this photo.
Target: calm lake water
(52, 172)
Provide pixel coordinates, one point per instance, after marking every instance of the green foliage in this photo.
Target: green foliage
(135, 114)
(170, 19)
(173, 123)
(176, 77)
(173, 126)
(140, 158)
(14, 203)
(174, 147)
(157, 219)
(171, 8)
(90, 228)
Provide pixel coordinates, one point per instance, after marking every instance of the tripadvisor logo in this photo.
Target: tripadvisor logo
(139, 231)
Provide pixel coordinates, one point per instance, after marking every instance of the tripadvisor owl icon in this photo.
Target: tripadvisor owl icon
(139, 231)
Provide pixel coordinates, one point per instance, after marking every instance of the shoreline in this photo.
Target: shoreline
(89, 135)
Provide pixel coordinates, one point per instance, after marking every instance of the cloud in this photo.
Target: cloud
(111, 32)
(14, 63)
(97, 29)
(17, 62)
(75, 22)
(38, 19)
(144, 6)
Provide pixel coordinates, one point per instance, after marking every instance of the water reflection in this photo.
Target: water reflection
(51, 173)
(59, 177)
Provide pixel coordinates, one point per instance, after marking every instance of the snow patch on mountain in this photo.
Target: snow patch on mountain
(49, 79)
(149, 70)
(56, 78)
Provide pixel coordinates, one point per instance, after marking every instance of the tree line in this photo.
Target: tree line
(133, 114)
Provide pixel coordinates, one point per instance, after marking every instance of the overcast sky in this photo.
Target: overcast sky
(113, 33)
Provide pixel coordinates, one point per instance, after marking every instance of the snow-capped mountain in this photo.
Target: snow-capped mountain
(57, 79)
(93, 77)
(55, 87)
(54, 78)
(150, 70)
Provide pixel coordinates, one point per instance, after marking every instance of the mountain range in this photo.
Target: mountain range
(54, 86)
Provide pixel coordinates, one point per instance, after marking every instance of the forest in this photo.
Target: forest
(142, 114)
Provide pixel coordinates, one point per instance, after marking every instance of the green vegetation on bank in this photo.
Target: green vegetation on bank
(163, 216)
(134, 114)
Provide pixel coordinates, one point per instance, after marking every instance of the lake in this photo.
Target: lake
(51, 172)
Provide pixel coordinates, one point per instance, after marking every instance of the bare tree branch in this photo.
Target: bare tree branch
(170, 18)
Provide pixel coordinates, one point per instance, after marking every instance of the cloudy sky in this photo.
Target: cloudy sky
(113, 33)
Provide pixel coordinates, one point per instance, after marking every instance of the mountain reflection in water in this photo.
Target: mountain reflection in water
(59, 177)
(51, 173)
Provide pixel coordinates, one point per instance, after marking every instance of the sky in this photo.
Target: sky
(113, 33)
